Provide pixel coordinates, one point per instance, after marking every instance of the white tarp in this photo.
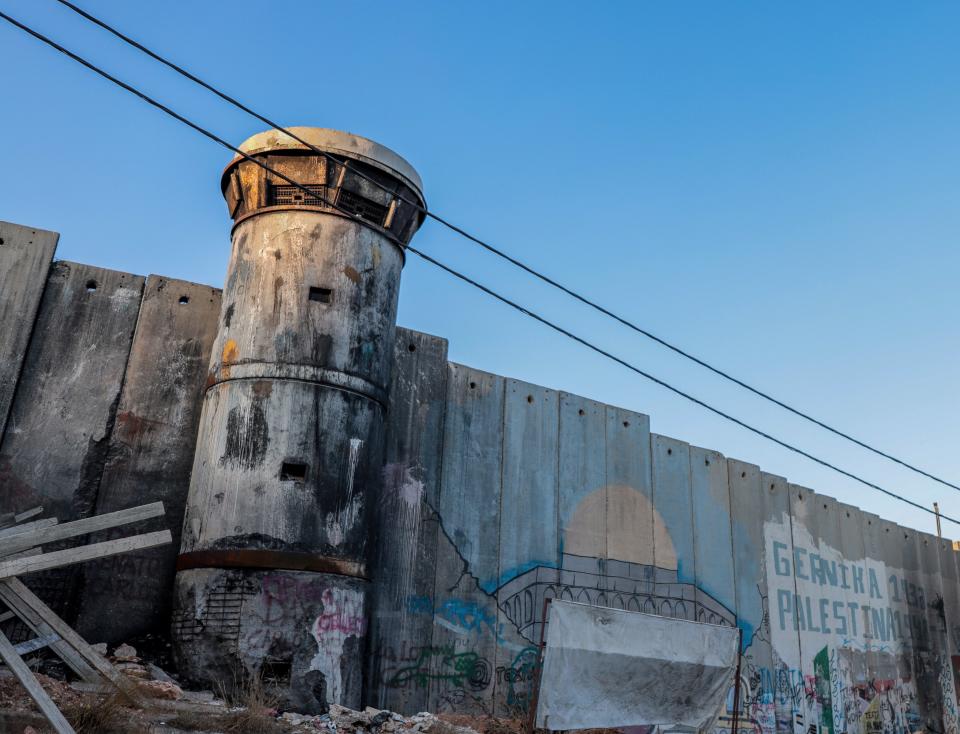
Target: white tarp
(608, 668)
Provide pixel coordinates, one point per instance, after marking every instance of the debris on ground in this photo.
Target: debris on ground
(342, 720)
(173, 710)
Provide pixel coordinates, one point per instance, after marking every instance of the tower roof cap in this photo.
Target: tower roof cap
(336, 142)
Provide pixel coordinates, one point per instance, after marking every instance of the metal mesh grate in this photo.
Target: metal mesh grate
(362, 207)
(220, 614)
(293, 195)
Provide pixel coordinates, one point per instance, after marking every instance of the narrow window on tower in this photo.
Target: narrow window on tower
(291, 471)
(321, 295)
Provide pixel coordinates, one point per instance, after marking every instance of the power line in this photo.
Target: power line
(514, 261)
(467, 279)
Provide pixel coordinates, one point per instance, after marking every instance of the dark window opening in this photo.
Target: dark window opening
(91, 285)
(184, 300)
(321, 295)
(293, 472)
(276, 672)
(280, 195)
(362, 207)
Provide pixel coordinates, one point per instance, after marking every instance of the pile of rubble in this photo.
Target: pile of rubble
(151, 680)
(341, 720)
(194, 712)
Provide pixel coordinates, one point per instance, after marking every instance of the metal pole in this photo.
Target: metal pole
(536, 673)
(936, 511)
(736, 685)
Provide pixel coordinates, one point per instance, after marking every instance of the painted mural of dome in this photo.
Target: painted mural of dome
(617, 552)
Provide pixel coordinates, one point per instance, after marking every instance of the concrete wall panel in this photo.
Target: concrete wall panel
(630, 513)
(406, 519)
(150, 457)
(783, 685)
(749, 512)
(673, 536)
(582, 478)
(904, 698)
(951, 607)
(25, 255)
(459, 664)
(57, 437)
(529, 532)
(712, 540)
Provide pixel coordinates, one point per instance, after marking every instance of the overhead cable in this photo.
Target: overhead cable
(514, 261)
(503, 299)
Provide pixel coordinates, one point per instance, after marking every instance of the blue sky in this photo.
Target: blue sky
(772, 186)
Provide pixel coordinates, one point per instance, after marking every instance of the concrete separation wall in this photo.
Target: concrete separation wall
(848, 621)
(495, 495)
(103, 416)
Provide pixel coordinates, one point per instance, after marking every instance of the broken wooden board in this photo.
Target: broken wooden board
(19, 668)
(43, 535)
(70, 637)
(71, 556)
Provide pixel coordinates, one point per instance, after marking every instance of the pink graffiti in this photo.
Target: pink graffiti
(345, 618)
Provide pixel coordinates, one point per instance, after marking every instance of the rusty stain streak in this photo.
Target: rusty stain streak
(136, 425)
(230, 355)
(277, 296)
(262, 388)
(352, 274)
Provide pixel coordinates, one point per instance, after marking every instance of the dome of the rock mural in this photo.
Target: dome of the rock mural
(617, 552)
(619, 522)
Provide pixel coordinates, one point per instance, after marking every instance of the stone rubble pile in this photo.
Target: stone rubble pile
(151, 680)
(342, 720)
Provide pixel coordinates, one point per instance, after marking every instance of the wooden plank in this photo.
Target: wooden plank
(55, 445)
(73, 529)
(71, 638)
(71, 556)
(40, 628)
(464, 606)
(40, 697)
(28, 527)
(529, 535)
(37, 643)
(406, 519)
(27, 514)
(151, 448)
(25, 255)
(673, 553)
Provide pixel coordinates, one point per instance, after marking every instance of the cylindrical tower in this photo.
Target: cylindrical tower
(272, 576)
